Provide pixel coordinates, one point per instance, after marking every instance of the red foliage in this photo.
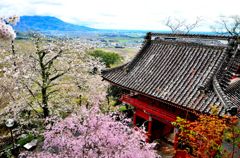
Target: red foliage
(203, 137)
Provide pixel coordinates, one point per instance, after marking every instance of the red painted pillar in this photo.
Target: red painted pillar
(149, 132)
(134, 118)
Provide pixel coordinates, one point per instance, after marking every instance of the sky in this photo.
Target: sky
(124, 14)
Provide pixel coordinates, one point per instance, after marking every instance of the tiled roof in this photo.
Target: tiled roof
(233, 92)
(200, 36)
(173, 71)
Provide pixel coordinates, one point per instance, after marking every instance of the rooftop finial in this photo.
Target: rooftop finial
(148, 37)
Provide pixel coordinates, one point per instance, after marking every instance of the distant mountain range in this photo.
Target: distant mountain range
(47, 24)
(53, 26)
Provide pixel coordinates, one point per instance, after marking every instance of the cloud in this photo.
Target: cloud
(122, 14)
(36, 2)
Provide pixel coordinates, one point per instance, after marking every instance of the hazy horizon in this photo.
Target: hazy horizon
(123, 15)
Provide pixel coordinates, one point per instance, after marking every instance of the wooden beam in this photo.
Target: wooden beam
(153, 110)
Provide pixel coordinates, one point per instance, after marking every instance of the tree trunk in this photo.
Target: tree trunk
(45, 102)
(14, 54)
(80, 100)
(45, 111)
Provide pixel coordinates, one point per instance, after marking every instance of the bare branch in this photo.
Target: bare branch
(33, 109)
(49, 62)
(52, 85)
(224, 22)
(190, 27)
(32, 94)
(35, 81)
(51, 92)
(181, 26)
(174, 24)
(35, 59)
(229, 25)
(57, 76)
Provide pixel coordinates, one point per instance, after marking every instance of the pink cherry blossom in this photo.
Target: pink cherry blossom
(90, 134)
(6, 31)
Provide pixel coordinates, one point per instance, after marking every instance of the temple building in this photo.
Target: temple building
(180, 75)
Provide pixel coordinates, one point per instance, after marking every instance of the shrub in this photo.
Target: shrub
(25, 140)
(109, 58)
(203, 137)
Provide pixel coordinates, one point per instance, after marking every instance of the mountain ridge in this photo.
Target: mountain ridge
(47, 23)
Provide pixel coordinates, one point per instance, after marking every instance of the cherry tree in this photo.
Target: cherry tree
(89, 133)
(7, 35)
(6, 30)
(59, 68)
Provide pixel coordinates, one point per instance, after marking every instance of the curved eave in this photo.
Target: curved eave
(158, 99)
